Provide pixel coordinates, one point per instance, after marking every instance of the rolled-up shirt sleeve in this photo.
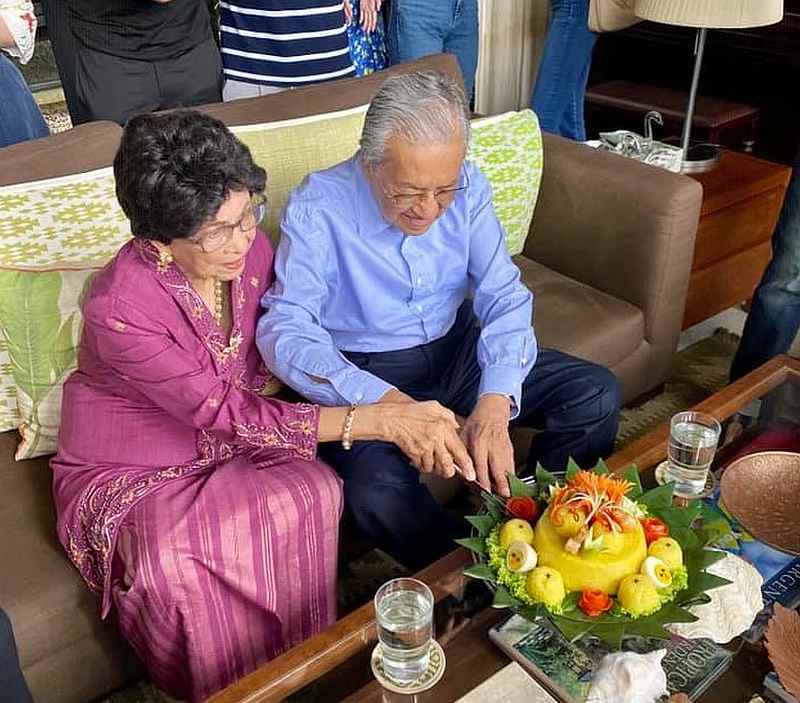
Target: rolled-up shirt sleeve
(290, 336)
(507, 347)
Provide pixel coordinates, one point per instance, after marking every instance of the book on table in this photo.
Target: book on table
(566, 668)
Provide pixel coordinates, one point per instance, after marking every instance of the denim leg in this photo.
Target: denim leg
(417, 28)
(13, 688)
(558, 95)
(20, 117)
(462, 41)
(775, 313)
(576, 404)
(390, 505)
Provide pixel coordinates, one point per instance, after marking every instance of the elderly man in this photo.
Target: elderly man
(393, 282)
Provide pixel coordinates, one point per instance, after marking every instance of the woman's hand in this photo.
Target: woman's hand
(426, 433)
(368, 12)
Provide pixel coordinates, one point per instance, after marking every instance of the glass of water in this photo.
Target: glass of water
(693, 438)
(404, 611)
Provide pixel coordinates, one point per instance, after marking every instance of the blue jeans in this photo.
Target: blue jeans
(575, 403)
(20, 117)
(561, 84)
(775, 314)
(419, 28)
(12, 686)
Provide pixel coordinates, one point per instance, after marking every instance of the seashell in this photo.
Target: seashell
(783, 644)
(732, 608)
(629, 677)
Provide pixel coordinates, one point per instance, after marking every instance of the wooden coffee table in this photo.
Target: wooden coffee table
(337, 660)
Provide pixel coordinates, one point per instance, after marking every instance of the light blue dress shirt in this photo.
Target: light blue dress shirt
(347, 279)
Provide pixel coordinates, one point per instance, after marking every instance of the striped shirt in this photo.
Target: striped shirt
(284, 43)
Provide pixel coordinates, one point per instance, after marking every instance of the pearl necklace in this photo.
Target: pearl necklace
(218, 301)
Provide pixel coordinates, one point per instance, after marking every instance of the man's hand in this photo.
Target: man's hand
(485, 434)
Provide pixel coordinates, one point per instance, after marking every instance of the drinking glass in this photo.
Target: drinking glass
(404, 611)
(693, 438)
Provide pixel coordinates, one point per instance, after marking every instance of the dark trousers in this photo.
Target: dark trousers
(13, 688)
(575, 403)
(64, 45)
(775, 313)
(112, 88)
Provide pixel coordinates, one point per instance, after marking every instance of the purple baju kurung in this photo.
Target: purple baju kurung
(189, 499)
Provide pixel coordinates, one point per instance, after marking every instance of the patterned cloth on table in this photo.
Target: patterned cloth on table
(188, 499)
(368, 50)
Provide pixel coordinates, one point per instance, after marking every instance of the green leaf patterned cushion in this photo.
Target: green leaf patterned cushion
(55, 234)
(508, 150)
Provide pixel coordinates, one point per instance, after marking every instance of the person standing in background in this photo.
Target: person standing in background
(366, 35)
(560, 88)
(20, 117)
(419, 28)
(774, 317)
(136, 57)
(13, 688)
(270, 45)
(63, 44)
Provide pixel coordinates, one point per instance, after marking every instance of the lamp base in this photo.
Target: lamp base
(701, 158)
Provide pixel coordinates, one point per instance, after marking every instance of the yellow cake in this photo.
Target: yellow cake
(621, 555)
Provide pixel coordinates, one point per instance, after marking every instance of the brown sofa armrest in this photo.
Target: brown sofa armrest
(620, 226)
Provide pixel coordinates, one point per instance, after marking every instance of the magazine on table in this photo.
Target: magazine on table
(566, 669)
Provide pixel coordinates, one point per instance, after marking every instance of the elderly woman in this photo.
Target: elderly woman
(188, 497)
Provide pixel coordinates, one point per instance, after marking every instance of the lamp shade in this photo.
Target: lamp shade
(712, 14)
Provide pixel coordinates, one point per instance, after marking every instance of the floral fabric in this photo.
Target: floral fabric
(21, 22)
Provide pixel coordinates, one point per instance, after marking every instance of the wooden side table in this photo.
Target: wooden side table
(623, 105)
(742, 199)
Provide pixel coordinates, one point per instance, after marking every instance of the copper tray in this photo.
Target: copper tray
(762, 492)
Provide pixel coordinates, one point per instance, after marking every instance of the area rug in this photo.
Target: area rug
(697, 372)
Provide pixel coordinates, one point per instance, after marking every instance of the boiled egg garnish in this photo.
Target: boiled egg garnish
(521, 557)
(657, 571)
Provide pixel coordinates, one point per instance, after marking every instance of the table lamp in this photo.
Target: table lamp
(705, 15)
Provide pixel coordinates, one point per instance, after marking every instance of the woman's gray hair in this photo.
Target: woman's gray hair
(425, 106)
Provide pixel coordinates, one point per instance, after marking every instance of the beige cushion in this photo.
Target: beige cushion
(574, 318)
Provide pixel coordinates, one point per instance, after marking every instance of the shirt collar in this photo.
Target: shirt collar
(370, 217)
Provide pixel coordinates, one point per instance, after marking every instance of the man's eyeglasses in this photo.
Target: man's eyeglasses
(214, 239)
(442, 196)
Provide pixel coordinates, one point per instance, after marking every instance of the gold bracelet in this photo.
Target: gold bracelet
(347, 430)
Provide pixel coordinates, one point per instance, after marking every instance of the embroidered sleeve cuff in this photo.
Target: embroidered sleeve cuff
(295, 433)
(504, 380)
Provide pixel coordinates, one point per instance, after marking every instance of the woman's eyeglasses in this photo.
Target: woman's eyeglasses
(214, 239)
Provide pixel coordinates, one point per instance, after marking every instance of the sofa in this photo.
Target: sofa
(608, 260)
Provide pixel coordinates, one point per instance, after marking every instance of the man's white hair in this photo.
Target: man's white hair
(424, 107)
